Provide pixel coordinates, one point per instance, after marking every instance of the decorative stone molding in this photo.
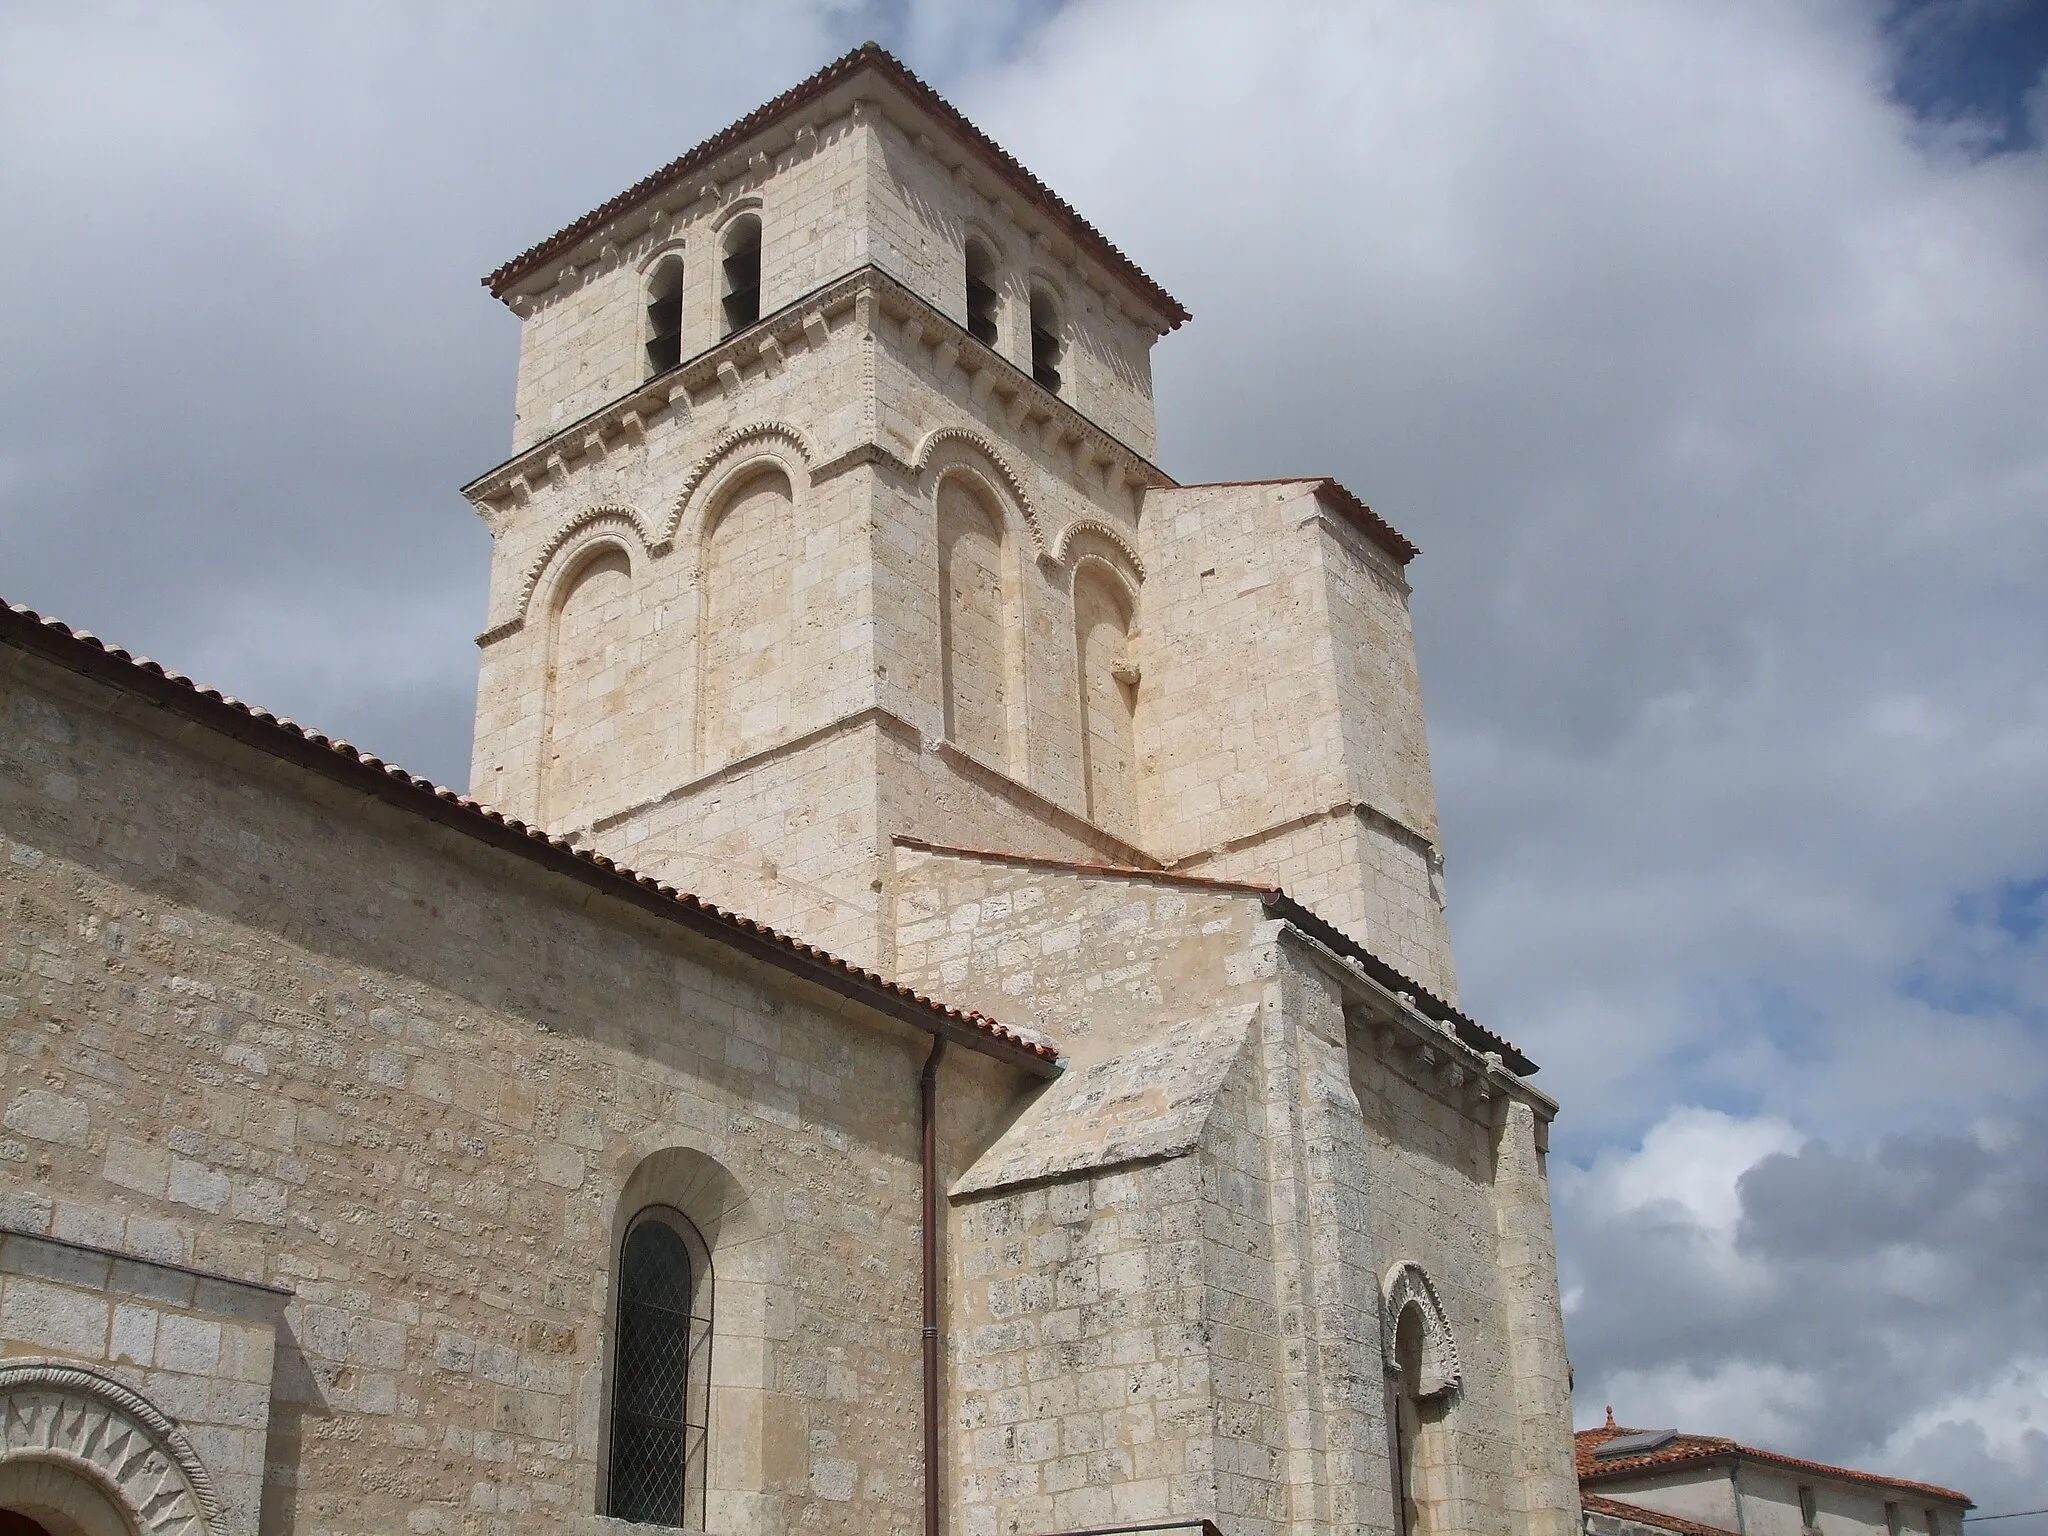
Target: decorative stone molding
(92, 1426)
(1089, 529)
(927, 455)
(584, 526)
(1407, 1285)
(718, 451)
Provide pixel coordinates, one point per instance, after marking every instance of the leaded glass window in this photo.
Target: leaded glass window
(660, 1373)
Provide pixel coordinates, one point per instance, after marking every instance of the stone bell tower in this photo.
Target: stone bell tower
(833, 518)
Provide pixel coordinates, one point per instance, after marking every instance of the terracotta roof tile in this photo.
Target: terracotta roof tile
(1685, 1449)
(82, 652)
(866, 56)
(1594, 1504)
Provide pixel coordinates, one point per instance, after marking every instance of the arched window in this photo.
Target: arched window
(588, 679)
(1429, 1497)
(747, 688)
(661, 1373)
(1046, 347)
(665, 316)
(1109, 699)
(982, 296)
(741, 273)
(976, 639)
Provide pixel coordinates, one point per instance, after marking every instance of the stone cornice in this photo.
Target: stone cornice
(804, 324)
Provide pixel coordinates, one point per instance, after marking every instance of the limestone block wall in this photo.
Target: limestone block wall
(1341, 1143)
(1279, 722)
(250, 1021)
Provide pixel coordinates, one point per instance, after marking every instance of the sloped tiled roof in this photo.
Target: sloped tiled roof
(1688, 1450)
(1594, 1504)
(866, 56)
(80, 652)
(1282, 905)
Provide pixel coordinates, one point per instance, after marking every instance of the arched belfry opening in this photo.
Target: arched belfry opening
(740, 272)
(984, 295)
(1048, 348)
(665, 315)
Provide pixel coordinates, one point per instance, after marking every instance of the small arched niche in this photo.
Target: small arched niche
(665, 314)
(739, 283)
(984, 292)
(747, 683)
(1103, 613)
(979, 654)
(1422, 1388)
(589, 635)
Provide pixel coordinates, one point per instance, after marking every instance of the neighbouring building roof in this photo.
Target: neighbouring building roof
(83, 653)
(1594, 1504)
(1683, 1450)
(867, 56)
(1280, 905)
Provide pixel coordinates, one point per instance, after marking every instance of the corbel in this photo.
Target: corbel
(633, 427)
(963, 175)
(771, 355)
(608, 254)
(984, 384)
(806, 138)
(816, 331)
(728, 378)
(759, 164)
(943, 355)
(557, 470)
(593, 447)
(924, 144)
(1019, 408)
(913, 331)
(521, 495)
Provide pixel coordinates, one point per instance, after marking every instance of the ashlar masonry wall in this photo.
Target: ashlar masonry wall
(252, 1024)
(1166, 1278)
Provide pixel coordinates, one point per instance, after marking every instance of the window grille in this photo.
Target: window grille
(661, 1374)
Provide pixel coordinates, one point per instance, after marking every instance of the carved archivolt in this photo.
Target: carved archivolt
(1088, 530)
(980, 456)
(1407, 1285)
(726, 444)
(98, 1430)
(583, 528)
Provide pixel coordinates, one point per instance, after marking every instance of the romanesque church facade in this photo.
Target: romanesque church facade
(934, 1016)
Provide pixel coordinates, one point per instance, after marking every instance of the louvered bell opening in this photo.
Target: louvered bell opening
(742, 288)
(981, 311)
(665, 321)
(1045, 351)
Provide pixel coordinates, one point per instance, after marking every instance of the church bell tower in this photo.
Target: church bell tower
(833, 518)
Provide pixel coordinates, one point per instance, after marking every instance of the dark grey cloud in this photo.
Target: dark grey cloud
(1884, 1306)
(1700, 345)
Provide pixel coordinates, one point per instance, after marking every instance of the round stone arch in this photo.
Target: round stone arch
(735, 458)
(748, 1270)
(83, 1455)
(1407, 1292)
(570, 547)
(950, 451)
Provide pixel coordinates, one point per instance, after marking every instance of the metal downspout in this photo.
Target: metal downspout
(928, 1125)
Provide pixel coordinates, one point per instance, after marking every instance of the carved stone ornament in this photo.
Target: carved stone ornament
(1407, 1285)
(62, 1424)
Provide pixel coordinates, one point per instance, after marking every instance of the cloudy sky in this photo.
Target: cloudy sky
(1702, 346)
